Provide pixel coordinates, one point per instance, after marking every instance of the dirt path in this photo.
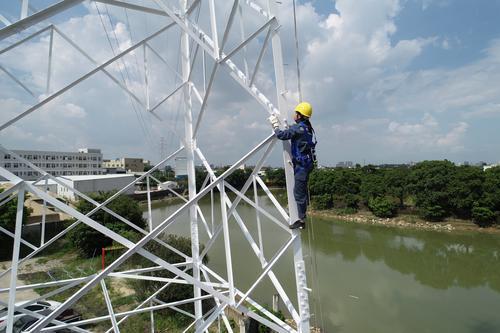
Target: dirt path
(29, 266)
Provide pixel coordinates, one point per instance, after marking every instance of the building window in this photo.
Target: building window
(7, 157)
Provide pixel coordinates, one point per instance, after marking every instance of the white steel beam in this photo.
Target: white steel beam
(273, 198)
(228, 27)
(190, 145)
(109, 306)
(15, 258)
(8, 233)
(227, 244)
(257, 216)
(248, 40)
(261, 55)
(13, 77)
(24, 9)
(205, 99)
(49, 69)
(127, 5)
(38, 17)
(4, 20)
(31, 36)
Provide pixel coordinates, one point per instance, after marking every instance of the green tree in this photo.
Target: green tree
(396, 181)
(491, 189)
(89, 241)
(430, 183)
(322, 202)
(275, 177)
(346, 181)
(374, 184)
(321, 181)
(465, 189)
(382, 207)
(483, 216)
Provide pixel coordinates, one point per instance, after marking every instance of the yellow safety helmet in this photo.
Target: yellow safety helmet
(304, 109)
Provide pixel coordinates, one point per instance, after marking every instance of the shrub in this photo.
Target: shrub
(87, 240)
(321, 202)
(483, 216)
(432, 213)
(352, 201)
(382, 207)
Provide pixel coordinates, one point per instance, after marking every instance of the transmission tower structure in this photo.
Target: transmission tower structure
(207, 46)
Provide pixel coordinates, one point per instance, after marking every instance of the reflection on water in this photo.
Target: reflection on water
(376, 279)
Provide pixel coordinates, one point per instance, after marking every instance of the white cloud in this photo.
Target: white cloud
(425, 135)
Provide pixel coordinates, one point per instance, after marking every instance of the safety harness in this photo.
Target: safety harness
(307, 158)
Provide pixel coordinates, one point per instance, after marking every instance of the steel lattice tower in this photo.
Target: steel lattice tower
(198, 47)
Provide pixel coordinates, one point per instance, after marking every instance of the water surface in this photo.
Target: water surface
(369, 278)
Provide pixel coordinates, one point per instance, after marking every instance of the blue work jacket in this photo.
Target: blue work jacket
(301, 140)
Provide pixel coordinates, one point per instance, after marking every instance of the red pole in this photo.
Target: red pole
(103, 255)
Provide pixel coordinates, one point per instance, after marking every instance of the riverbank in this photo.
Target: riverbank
(406, 221)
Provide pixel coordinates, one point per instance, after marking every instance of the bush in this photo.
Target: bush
(87, 240)
(352, 201)
(483, 216)
(382, 207)
(433, 213)
(321, 202)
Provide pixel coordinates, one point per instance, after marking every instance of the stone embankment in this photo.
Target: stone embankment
(394, 222)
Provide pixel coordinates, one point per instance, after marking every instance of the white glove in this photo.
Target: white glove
(275, 122)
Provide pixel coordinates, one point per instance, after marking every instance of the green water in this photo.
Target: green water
(368, 278)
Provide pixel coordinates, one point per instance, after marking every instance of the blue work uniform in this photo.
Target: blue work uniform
(302, 144)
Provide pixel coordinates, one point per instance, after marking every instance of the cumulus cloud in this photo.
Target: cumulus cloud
(365, 94)
(426, 135)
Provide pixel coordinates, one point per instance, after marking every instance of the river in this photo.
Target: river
(369, 278)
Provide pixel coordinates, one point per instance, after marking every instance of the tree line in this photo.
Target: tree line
(434, 189)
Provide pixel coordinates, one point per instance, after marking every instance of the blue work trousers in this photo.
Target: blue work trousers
(300, 193)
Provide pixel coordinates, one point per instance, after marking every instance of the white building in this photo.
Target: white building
(93, 184)
(84, 162)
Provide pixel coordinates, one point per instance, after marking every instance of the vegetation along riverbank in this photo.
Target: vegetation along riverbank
(429, 191)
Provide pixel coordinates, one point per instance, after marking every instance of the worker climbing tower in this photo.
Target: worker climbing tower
(218, 42)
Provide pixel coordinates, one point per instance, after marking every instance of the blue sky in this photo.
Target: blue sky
(390, 81)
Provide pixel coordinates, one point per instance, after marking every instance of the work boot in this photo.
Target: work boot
(299, 224)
